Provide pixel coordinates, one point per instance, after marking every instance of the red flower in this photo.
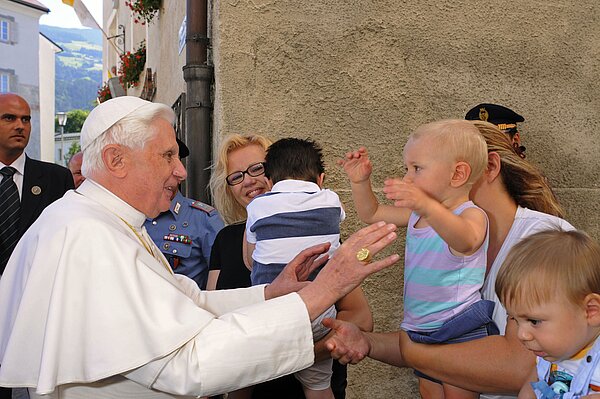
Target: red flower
(104, 93)
(132, 65)
(144, 11)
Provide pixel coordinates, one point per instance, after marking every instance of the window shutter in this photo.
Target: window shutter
(13, 81)
(13, 32)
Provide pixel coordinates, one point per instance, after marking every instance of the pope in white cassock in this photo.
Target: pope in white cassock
(89, 307)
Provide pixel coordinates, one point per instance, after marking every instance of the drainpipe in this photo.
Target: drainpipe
(198, 76)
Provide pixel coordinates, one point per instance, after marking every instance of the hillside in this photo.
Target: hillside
(78, 67)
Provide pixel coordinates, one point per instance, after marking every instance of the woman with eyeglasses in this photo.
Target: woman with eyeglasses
(237, 178)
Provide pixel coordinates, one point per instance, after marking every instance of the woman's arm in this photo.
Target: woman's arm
(494, 364)
(527, 390)
(349, 344)
(213, 277)
(355, 309)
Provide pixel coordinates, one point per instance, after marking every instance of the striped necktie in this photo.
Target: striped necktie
(10, 211)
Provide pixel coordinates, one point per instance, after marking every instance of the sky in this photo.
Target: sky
(64, 16)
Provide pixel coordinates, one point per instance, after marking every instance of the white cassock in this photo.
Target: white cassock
(86, 310)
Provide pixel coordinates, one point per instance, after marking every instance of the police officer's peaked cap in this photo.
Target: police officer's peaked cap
(504, 118)
(184, 151)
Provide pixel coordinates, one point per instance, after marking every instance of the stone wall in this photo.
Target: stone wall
(350, 73)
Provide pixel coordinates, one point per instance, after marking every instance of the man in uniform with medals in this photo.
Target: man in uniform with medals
(185, 233)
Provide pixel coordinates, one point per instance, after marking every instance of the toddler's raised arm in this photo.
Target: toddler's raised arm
(358, 167)
(464, 233)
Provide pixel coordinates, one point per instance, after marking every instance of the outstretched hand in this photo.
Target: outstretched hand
(345, 271)
(406, 195)
(357, 165)
(293, 277)
(348, 344)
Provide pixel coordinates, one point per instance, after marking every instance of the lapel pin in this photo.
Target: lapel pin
(36, 190)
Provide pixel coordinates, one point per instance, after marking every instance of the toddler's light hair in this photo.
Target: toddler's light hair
(460, 140)
(548, 265)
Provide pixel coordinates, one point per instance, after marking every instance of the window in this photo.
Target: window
(4, 83)
(4, 30)
(8, 29)
(8, 80)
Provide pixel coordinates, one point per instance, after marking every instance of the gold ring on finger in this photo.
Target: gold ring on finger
(363, 255)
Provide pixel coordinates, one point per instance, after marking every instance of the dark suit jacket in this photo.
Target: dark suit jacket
(43, 183)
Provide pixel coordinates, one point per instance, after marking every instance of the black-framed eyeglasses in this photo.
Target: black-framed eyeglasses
(254, 170)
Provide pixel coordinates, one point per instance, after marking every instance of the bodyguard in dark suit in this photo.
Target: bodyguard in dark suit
(27, 186)
(43, 184)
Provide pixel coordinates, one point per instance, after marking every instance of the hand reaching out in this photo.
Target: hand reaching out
(345, 270)
(293, 276)
(406, 195)
(357, 165)
(348, 344)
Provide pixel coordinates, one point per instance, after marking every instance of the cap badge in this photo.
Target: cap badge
(483, 114)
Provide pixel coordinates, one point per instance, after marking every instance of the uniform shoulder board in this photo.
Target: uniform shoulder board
(202, 206)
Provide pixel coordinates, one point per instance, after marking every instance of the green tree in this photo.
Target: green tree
(75, 119)
(74, 149)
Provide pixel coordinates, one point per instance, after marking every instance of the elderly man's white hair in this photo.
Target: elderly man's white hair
(131, 121)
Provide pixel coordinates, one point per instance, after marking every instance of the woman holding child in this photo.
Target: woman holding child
(238, 177)
(518, 202)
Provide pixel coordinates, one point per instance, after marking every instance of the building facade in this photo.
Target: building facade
(47, 52)
(161, 38)
(27, 69)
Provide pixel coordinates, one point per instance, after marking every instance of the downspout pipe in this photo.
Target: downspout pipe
(198, 76)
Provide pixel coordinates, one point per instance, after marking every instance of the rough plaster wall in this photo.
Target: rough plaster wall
(351, 73)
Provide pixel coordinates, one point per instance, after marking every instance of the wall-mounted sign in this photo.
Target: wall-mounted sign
(182, 33)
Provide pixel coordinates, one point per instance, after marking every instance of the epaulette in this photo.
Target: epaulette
(202, 206)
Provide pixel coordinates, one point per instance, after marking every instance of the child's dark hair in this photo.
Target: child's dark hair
(292, 158)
